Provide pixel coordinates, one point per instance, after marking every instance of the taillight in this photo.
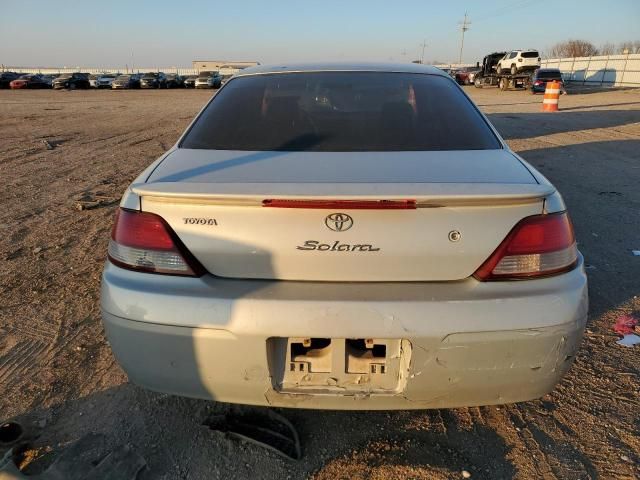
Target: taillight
(145, 242)
(537, 246)
(341, 204)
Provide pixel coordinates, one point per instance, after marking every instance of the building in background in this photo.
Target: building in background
(225, 67)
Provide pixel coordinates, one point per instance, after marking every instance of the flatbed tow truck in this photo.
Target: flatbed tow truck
(488, 77)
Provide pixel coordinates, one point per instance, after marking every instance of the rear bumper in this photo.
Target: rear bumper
(471, 343)
(542, 88)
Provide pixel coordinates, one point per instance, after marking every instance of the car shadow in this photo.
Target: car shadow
(605, 216)
(528, 125)
(173, 436)
(606, 105)
(575, 87)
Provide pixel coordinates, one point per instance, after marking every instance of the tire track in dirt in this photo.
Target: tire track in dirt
(15, 364)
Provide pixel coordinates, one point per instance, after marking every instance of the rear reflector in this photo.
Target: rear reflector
(537, 246)
(145, 242)
(342, 204)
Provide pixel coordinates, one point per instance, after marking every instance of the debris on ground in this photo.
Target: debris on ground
(48, 144)
(629, 340)
(82, 460)
(636, 253)
(89, 201)
(260, 427)
(625, 324)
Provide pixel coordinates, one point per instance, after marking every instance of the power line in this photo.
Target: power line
(464, 26)
(423, 45)
(506, 9)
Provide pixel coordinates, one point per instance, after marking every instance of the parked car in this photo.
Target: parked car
(153, 80)
(190, 81)
(540, 77)
(104, 80)
(126, 81)
(6, 78)
(28, 81)
(174, 81)
(344, 237)
(71, 81)
(466, 75)
(518, 61)
(48, 79)
(208, 80)
(225, 79)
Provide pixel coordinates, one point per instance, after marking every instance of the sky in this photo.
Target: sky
(115, 33)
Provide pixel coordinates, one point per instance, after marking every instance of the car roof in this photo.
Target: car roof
(341, 67)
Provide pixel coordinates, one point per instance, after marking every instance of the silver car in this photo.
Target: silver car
(344, 237)
(208, 80)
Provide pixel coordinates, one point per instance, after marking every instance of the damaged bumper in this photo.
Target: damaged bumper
(345, 345)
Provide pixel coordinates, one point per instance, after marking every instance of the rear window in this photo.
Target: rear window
(530, 54)
(549, 74)
(341, 112)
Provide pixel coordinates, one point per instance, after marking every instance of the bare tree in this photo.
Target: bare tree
(573, 48)
(607, 49)
(629, 47)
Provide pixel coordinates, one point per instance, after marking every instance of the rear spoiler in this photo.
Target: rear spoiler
(426, 195)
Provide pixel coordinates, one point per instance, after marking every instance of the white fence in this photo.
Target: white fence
(453, 65)
(604, 70)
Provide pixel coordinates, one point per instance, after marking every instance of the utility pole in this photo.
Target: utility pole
(464, 26)
(423, 45)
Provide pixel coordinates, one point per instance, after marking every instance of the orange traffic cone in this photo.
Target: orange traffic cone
(551, 97)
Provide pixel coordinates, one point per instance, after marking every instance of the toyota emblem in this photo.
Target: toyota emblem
(338, 222)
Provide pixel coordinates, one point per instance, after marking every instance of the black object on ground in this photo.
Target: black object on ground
(10, 432)
(265, 428)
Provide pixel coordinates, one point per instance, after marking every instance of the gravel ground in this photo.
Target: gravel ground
(58, 377)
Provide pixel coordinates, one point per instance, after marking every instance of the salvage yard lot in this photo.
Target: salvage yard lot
(65, 159)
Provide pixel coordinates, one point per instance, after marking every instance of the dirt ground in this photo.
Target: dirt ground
(58, 377)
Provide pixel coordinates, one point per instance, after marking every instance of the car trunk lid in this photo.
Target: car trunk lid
(240, 213)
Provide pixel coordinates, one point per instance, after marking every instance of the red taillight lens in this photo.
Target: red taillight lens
(537, 246)
(145, 242)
